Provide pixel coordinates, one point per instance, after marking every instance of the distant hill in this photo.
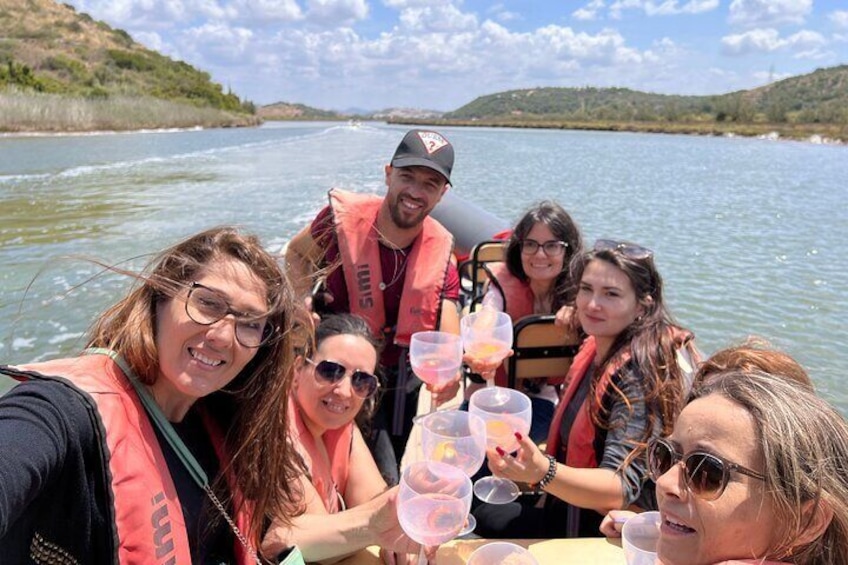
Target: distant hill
(289, 111)
(818, 97)
(50, 48)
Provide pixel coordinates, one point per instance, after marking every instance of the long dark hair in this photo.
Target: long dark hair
(251, 409)
(648, 346)
(563, 229)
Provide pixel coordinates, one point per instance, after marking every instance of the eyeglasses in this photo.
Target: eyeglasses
(552, 248)
(205, 307)
(363, 384)
(706, 474)
(629, 250)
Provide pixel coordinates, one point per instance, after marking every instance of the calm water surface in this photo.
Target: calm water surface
(749, 234)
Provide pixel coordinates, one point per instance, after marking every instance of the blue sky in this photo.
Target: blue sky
(441, 54)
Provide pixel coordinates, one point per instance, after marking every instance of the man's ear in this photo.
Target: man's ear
(819, 514)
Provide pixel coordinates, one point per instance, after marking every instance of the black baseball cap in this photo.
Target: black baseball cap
(425, 148)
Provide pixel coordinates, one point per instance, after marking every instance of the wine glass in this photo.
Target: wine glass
(457, 438)
(505, 412)
(487, 336)
(435, 358)
(433, 503)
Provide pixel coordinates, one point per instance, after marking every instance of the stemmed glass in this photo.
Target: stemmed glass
(487, 336)
(457, 438)
(433, 503)
(505, 412)
(435, 358)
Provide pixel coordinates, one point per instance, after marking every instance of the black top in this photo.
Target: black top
(54, 494)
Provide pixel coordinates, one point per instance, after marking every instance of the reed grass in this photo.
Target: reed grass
(39, 112)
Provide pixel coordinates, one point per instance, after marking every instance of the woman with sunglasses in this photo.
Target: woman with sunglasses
(160, 444)
(346, 505)
(625, 388)
(533, 279)
(755, 472)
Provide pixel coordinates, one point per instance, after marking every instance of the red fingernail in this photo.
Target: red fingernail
(518, 436)
(500, 451)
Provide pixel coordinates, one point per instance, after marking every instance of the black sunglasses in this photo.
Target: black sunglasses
(629, 250)
(706, 474)
(364, 384)
(205, 307)
(552, 248)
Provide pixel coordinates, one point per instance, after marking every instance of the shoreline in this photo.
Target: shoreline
(820, 134)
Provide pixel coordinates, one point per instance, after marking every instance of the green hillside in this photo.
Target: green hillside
(818, 97)
(289, 111)
(48, 47)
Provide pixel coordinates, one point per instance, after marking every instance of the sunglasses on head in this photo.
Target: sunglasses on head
(706, 474)
(629, 250)
(328, 372)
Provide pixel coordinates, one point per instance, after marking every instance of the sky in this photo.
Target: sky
(442, 54)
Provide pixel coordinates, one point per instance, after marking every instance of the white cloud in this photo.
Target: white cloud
(589, 11)
(218, 43)
(337, 11)
(839, 18)
(769, 13)
(437, 19)
(805, 43)
(663, 8)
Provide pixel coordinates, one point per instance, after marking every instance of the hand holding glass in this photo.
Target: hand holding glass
(433, 503)
(457, 438)
(435, 358)
(505, 411)
(487, 337)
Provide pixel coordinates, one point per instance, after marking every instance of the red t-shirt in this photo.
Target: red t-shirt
(393, 266)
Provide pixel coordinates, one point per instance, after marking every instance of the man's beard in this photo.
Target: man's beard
(404, 222)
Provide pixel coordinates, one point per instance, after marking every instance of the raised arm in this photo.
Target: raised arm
(370, 520)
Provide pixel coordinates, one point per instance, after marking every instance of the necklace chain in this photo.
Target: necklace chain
(398, 270)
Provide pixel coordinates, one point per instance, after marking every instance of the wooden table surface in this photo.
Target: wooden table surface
(578, 551)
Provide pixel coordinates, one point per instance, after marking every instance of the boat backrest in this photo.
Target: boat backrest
(472, 272)
(540, 349)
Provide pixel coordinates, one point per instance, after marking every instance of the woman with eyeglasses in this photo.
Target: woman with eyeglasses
(346, 505)
(160, 443)
(755, 472)
(625, 387)
(533, 279)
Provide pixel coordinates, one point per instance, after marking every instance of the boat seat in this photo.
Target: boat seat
(472, 272)
(540, 349)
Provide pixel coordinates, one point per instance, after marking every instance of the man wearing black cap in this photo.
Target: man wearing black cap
(397, 272)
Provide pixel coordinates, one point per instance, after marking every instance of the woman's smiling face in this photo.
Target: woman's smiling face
(739, 524)
(538, 266)
(330, 406)
(194, 359)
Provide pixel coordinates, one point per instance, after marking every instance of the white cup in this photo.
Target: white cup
(639, 538)
(498, 552)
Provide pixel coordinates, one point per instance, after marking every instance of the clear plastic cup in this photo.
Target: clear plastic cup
(501, 553)
(639, 537)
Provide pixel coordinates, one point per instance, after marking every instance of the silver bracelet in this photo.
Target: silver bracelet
(549, 475)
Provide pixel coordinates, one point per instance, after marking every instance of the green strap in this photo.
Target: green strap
(195, 470)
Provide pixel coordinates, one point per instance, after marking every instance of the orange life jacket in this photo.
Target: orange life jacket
(148, 516)
(581, 438)
(518, 299)
(355, 216)
(330, 481)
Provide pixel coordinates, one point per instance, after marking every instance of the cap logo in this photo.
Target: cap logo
(432, 141)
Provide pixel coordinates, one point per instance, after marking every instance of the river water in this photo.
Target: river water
(748, 233)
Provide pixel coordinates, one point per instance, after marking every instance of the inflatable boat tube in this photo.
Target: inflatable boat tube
(468, 223)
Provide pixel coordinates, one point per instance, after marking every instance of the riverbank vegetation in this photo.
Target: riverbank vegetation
(41, 112)
(50, 56)
(811, 106)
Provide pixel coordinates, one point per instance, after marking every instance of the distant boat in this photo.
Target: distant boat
(354, 123)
